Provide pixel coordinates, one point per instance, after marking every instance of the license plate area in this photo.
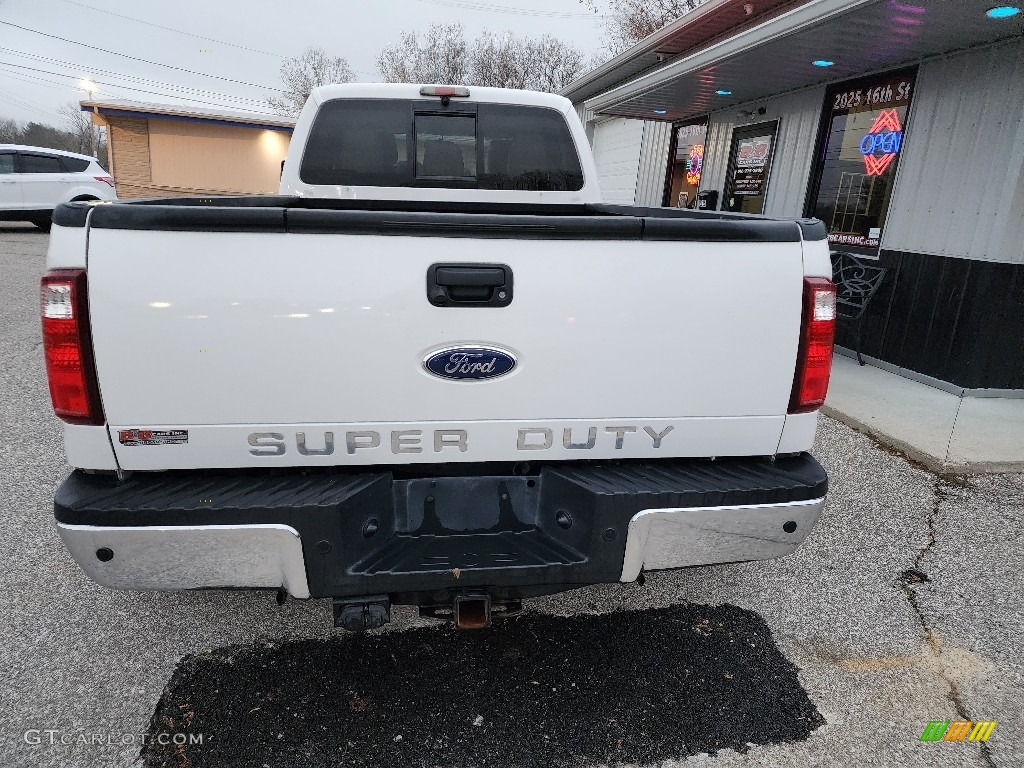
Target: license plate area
(459, 525)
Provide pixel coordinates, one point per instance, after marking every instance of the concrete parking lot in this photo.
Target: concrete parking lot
(903, 607)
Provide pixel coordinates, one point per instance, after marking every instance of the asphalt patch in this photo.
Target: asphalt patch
(538, 690)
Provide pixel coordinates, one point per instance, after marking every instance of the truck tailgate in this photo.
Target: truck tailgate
(238, 349)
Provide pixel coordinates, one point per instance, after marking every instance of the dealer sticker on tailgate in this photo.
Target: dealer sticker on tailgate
(152, 436)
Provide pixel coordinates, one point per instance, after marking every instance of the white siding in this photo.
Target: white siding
(617, 155)
(799, 114)
(960, 185)
(650, 181)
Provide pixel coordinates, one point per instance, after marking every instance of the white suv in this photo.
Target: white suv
(34, 181)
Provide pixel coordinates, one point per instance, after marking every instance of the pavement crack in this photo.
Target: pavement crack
(933, 537)
(914, 575)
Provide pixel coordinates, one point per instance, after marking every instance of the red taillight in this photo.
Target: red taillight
(68, 348)
(105, 179)
(444, 90)
(814, 358)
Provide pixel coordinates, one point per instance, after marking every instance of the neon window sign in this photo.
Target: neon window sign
(694, 164)
(882, 142)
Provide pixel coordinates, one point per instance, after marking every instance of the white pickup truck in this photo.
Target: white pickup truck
(435, 371)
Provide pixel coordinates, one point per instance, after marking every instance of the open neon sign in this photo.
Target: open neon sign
(882, 142)
(694, 165)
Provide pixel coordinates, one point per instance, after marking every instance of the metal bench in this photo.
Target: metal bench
(856, 283)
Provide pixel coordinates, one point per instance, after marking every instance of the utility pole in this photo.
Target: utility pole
(90, 88)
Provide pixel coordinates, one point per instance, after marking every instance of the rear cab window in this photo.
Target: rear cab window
(419, 143)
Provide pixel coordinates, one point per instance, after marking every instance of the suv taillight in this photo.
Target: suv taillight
(108, 180)
(814, 358)
(68, 348)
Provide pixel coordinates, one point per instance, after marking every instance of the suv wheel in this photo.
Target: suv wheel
(43, 222)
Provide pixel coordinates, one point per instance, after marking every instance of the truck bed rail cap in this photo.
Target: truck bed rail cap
(483, 226)
(189, 218)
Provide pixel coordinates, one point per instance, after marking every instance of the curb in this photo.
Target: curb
(929, 461)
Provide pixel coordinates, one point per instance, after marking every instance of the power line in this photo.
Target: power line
(129, 88)
(488, 8)
(31, 106)
(134, 78)
(172, 29)
(192, 34)
(35, 80)
(136, 58)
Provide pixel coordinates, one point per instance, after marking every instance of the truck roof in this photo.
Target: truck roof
(412, 91)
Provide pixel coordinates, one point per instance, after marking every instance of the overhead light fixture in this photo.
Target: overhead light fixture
(1002, 11)
(724, 93)
(822, 63)
(661, 111)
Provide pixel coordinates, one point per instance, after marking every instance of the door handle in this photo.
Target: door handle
(469, 285)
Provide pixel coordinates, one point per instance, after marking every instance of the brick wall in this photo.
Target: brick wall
(129, 145)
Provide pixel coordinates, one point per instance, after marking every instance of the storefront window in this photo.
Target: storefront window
(860, 150)
(686, 163)
(750, 162)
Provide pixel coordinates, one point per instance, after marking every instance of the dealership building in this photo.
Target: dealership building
(161, 150)
(899, 123)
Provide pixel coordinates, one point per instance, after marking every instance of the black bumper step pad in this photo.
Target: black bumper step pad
(379, 532)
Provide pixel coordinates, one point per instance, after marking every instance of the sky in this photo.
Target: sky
(233, 48)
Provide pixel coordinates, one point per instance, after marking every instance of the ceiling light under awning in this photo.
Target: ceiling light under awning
(1002, 12)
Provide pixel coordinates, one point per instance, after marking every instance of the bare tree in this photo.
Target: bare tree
(442, 55)
(301, 74)
(72, 137)
(437, 56)
(10, 131)
(630, 21)
(538, 64)
(80, 128)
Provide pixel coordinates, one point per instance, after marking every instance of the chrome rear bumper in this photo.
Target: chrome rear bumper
(270, 556)
(676, 538)
(353, 534)
(189, 557)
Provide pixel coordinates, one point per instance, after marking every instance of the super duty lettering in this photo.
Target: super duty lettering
(410, 440)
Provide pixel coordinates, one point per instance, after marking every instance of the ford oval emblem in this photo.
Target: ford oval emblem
(472, 363)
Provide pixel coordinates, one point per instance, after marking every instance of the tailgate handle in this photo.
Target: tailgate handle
(469, 285)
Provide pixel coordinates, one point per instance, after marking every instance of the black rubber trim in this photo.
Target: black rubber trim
(477, 225)
(717, 230)
(520, 221)
(188, 218)
(71, 214)
(425, 524)
(812, 230)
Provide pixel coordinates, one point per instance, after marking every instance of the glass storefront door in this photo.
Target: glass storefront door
(750, 163)
(686, 162)
(857, 158)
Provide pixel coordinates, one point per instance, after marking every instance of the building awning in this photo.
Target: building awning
(125, 108)
(778, 55)
(710, 21)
